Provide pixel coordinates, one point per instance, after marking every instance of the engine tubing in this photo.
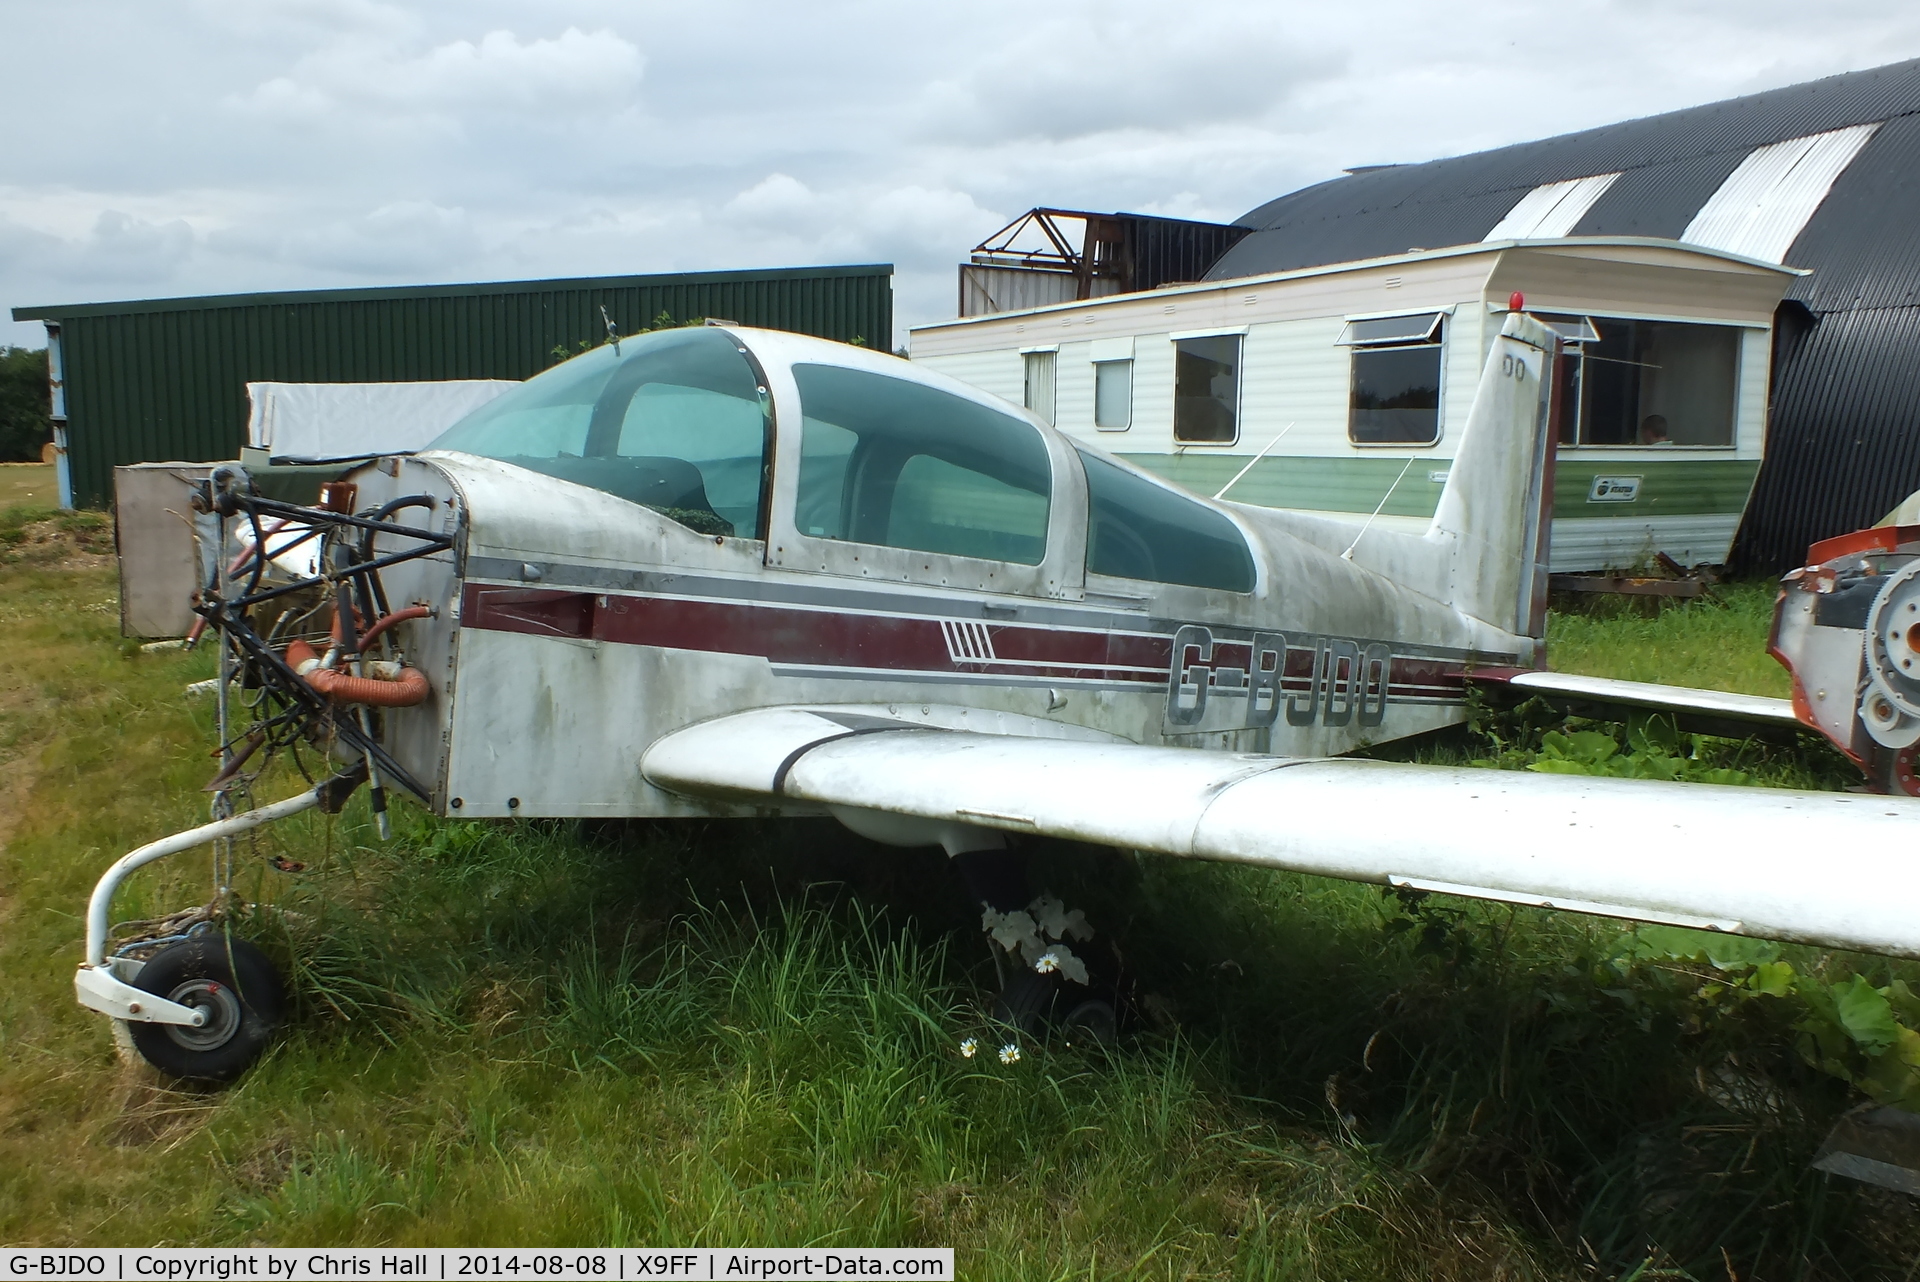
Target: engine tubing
(409, 688)
(398, 616)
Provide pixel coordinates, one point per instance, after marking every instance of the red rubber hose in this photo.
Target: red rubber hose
(398, 616)
(405, 690)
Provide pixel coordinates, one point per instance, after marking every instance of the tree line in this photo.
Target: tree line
(26, 404)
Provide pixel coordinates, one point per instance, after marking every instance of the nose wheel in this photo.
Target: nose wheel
(233, 985)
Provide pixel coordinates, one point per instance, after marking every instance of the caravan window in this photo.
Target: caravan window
(676, 421)
(1113, 395)
(1394, 396)
(1040, 383)
(1206, 390)
(1651, 383)
(896, 463)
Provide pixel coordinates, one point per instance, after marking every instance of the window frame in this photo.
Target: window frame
(1441, 323)
(1412, 336)
(1634, 451)
(1098, 365)
(1061, 571)
(1029, 359)
(1239, 334)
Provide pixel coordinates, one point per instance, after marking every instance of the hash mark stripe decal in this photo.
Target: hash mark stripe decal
(873, 646)
(824, 594)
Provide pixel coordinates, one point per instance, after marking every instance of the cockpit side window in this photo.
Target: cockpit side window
(896, 463)
(677, 421)
(1139, 530)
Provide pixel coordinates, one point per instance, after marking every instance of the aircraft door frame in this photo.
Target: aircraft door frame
(1061, 572)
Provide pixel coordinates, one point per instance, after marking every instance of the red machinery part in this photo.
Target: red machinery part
(405, 690)
(398, 616)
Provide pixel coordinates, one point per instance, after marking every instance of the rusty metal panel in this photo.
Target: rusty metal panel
(985, 289)
(153, 532)
(1049, 256)
(166, 378)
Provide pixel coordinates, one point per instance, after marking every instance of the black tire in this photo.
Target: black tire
(1093, 1022)
(238, 988)
(1033, 1005)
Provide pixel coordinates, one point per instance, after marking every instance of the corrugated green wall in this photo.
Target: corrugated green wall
(166, 379)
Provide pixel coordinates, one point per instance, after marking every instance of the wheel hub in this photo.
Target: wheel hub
(1893, 640)
(214, 1000)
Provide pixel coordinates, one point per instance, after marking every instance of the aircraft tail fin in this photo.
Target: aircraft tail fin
(1497, 505)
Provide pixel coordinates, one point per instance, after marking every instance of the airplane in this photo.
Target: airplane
(721, 571)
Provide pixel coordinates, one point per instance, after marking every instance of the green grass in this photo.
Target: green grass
(1715, 643)
(28, 485)
(746, 1033)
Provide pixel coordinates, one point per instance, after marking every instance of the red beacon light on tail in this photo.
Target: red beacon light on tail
(1518, 302)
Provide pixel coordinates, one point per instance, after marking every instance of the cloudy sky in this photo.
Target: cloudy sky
(157, 148)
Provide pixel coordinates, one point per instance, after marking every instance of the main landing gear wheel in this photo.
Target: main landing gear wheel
(1032, 1003)
(1025, 1004)
(237, 987)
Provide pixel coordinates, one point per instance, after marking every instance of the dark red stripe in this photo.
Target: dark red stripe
(819, 638)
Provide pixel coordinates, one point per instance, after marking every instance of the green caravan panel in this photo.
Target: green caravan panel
(1343, 483)
(1357, 483)
(1667, 487)
(165, 380)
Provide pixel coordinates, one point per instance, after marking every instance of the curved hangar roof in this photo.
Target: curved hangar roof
(1824, 175)
(1819, 175)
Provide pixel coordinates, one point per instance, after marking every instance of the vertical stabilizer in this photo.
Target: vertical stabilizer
(1493, 511)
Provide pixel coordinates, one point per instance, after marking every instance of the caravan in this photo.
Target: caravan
(1345, 389)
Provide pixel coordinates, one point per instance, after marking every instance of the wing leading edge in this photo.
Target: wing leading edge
(1832, 869)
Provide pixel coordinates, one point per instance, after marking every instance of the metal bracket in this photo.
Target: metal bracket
(98, 988)
(101, 903)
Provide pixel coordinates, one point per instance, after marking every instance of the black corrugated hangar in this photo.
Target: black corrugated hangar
(166, 379)
(1823, 175)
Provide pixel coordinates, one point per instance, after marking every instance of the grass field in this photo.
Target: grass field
(27, 485)
(739, 1033)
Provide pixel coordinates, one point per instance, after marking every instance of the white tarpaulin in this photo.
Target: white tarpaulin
(313, 422)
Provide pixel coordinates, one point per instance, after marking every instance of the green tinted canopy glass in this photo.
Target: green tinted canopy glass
(1137, 529)
(893, 462)
(676, 421)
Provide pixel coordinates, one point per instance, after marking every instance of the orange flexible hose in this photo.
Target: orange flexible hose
(398, 616)
(409, 688)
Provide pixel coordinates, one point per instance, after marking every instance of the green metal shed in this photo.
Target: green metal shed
(165, 379)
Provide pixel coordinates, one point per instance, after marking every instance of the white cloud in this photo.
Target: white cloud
(117, 249)
(776, 200)
(915, 226)
(1099, 68)
(274, 144)
(570, 73)
(417, 239)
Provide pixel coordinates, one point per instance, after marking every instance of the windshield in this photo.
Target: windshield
(676, 421)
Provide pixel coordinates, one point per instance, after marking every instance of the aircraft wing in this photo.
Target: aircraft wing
(1716, 712)
(1832, 869)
